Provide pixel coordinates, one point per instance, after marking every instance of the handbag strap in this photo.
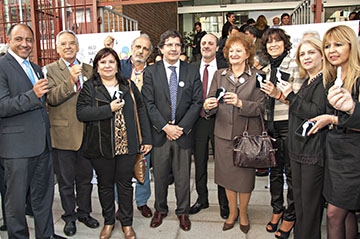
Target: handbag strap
(262, 124)
(136, 114)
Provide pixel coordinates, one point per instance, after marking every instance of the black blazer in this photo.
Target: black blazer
(157, 99)
(24, 129)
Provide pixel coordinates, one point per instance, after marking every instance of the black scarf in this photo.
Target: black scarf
(270, 102)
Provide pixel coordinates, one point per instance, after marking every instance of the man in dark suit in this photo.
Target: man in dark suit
(73, 172)
(172, 93)
(25, 143)
(204, 128)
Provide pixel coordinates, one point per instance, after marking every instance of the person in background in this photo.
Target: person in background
(285, 19)
(24, 120)
(307, 153)
(196, 55)
(249, 22)
(73, 172)
(261, 26)
(172, 93)
(311, 33)
(219, 54)
(230, 21)
(252, 32)
(276, 22)
(342, 170)
(204, 129)
(242, 102)
(276, 48)
(133, 68)
(352, 16)
(106, 105)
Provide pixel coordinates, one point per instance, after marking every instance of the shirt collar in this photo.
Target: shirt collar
(19, 59)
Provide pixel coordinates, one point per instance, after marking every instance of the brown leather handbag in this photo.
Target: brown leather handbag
(254, 151)
(140, 164)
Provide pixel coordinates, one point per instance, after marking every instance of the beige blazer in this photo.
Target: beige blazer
(65, 129)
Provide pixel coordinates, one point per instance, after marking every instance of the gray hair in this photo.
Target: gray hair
(69, 32)
(145, 36)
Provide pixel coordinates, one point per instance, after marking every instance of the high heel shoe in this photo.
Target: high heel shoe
(274, 226)
(129, 232)
(106, 231)
(245, 228)
(228, 226)
(283, 234)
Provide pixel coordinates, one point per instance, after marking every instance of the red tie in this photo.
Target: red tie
(78, 83)
(205, 85)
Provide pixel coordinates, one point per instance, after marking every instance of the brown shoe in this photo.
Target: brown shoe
(157, 219)
(145, 211)
(185, 223)
(129, 232)
(106, 231)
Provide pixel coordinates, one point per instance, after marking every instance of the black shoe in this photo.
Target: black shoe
(224, 212)
(3, 228)
(70, 228)
(197, 207)
(89, 221)
(57, 237)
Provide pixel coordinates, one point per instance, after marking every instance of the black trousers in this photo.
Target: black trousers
(36, 173)
(276, 174)
(2, 192)
(74, 174)
(203, 132)
(309, 203)
(166, 158)
(118, 171)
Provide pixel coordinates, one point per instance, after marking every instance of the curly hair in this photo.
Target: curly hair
(245, 40)
(275, 33)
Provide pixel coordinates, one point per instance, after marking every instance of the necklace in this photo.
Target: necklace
(316, 76)
(138, 73)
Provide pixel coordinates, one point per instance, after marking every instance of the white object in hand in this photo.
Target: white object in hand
(44, 70)
(221, 94)
(278, 74)
(338, 81)
(305, 126)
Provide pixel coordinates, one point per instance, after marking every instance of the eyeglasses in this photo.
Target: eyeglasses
(171, 45)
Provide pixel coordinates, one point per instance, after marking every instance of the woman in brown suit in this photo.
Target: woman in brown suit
(242, 101)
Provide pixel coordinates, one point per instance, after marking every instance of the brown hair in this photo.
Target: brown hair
(246, 41)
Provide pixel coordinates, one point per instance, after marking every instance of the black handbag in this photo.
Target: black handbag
(254, 151)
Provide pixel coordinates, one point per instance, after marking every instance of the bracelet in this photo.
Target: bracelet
(281, 94)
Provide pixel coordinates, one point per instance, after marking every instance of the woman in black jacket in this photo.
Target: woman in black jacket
(111, 142)
(307, 153)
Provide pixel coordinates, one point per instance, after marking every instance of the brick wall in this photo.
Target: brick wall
(153, 18)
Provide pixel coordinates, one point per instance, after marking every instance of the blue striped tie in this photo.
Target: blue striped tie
(173, 91)
(29, 71)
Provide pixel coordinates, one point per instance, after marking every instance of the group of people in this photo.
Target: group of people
(92, 112)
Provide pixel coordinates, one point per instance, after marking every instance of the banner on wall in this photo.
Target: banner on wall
(90, 44)
(296, 32)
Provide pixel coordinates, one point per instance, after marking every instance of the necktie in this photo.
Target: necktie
(78, 83)
(29, 71)
(205, 85)
(173, 91)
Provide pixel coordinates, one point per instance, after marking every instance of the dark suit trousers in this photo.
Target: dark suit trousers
(36, 173)
(309, 203)
(166, 158)
(2, 192)
(203, 132)
(73, 170)
(118, 171)
(277, 177)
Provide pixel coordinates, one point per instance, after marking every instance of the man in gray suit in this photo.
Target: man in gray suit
(73, 172)
(172, 93)
(25, 144)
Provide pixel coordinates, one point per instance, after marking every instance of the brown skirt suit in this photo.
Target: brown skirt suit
(230, 122)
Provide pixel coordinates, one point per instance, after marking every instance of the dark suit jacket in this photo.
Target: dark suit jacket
(24, 129)
(66, 130)
(157, 99)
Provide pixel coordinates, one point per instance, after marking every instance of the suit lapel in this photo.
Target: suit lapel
(182, 82)
(18, 68)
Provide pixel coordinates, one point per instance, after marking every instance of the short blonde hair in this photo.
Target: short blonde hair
(316, 43)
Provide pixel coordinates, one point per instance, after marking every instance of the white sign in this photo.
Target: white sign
(90, 44)
(296, 31)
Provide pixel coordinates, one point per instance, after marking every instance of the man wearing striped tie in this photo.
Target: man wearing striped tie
(172, 93)
(73, 172)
